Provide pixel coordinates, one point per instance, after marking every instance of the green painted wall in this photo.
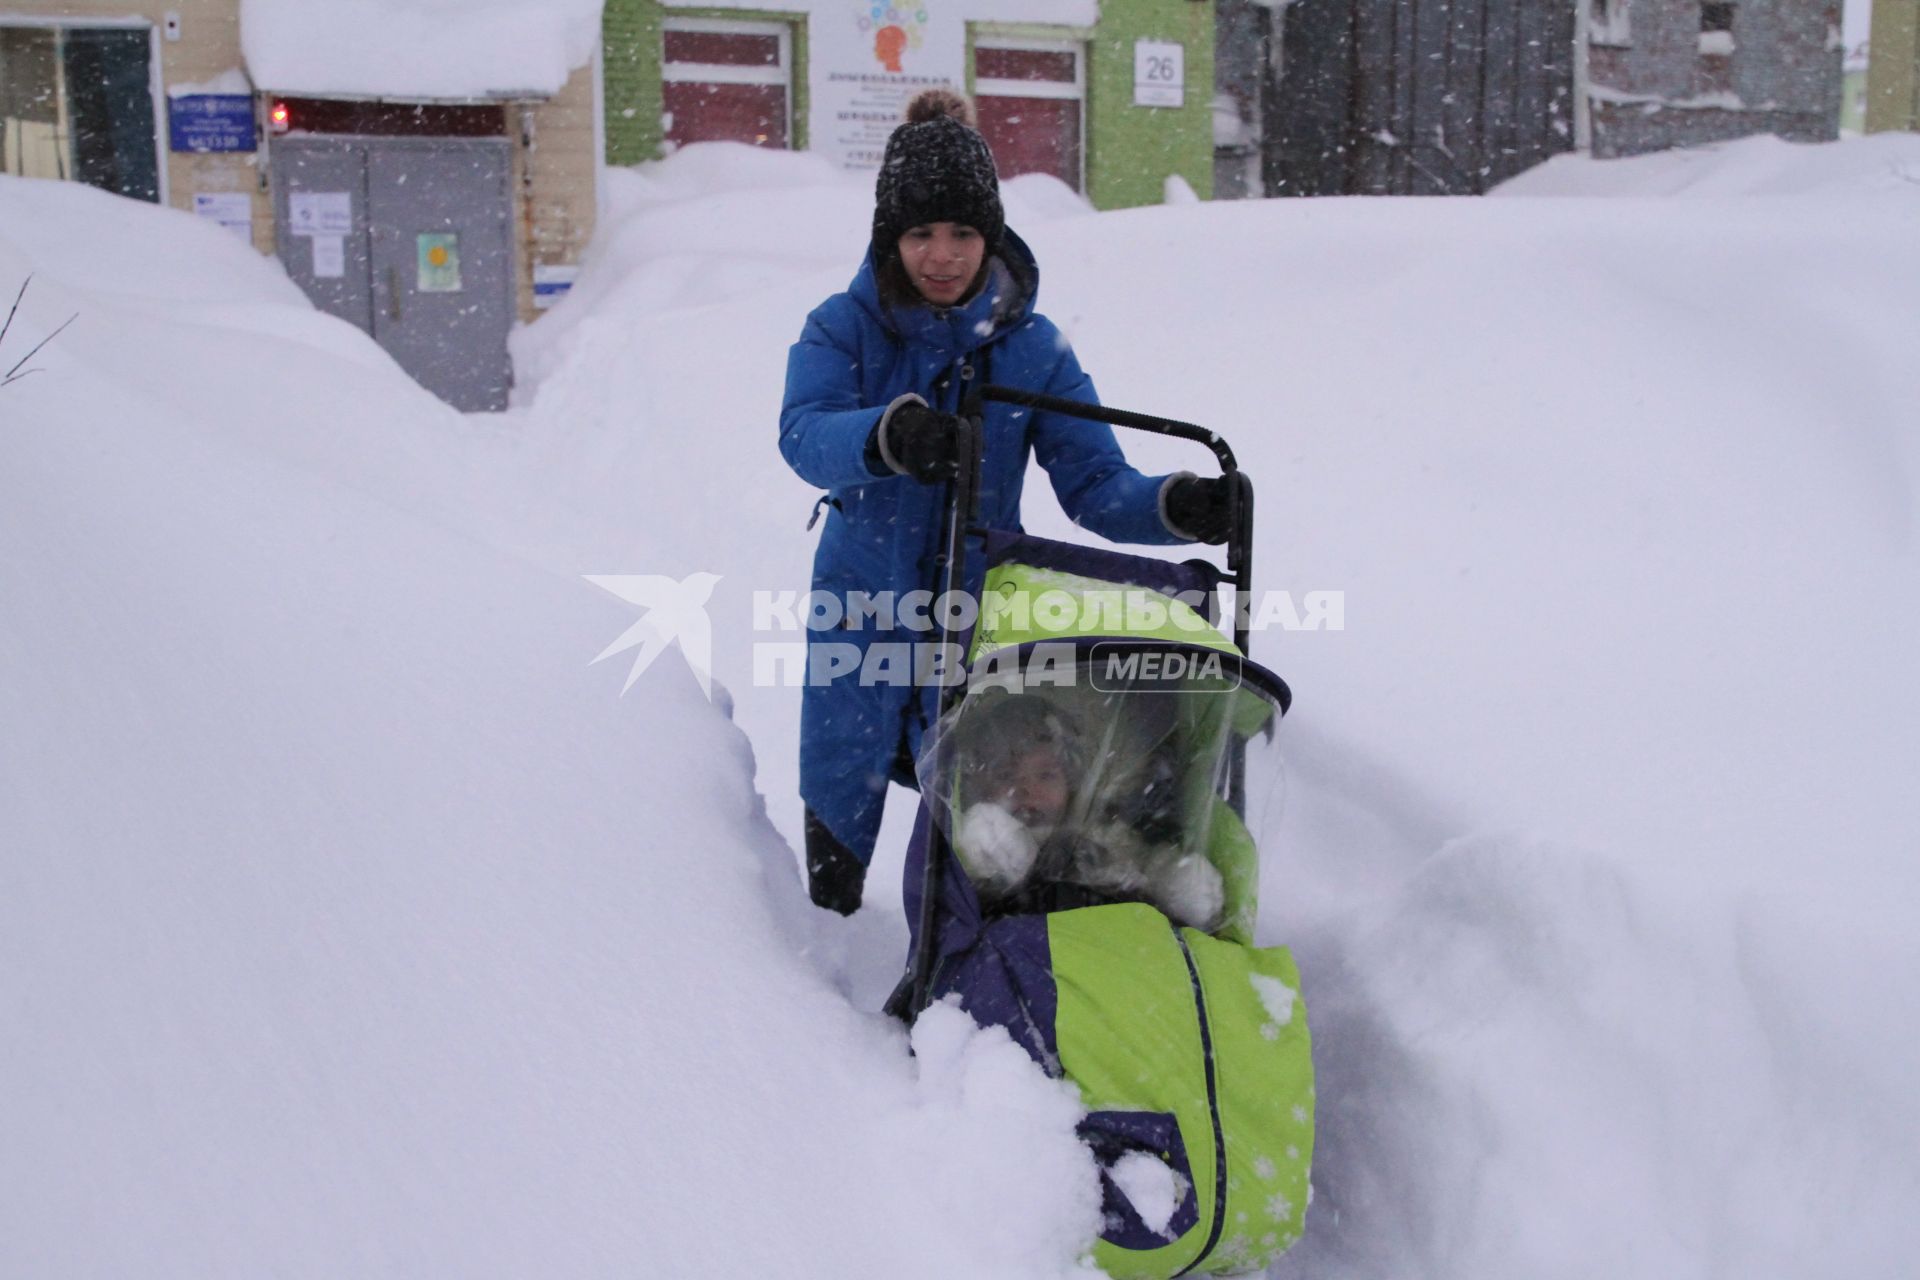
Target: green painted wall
(1130, 150)
(630, 39)
(630, 72)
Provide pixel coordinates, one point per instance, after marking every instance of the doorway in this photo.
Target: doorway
(410, 238)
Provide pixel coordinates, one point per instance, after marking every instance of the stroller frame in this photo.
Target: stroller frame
(960, 521)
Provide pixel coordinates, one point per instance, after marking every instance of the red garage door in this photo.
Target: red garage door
(727, 82)
(1029, 96)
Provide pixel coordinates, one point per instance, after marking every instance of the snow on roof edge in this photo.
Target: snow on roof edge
(418, 50)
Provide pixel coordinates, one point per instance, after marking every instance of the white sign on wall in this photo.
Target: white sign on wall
(320, 213)
(869, 60)
(552, 282)
(1159, 74)
(231, 209)
(329, 257)
(866, 59)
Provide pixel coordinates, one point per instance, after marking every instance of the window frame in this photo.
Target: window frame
(730, 73)
(1717, 41)
(984, 86)
(1055, 90)
(780, 74)
(1610, 23)
(156, 87)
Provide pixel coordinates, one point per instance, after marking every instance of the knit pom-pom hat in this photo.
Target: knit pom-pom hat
(937, 169)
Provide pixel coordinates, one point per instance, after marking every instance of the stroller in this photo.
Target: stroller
(1083, 870)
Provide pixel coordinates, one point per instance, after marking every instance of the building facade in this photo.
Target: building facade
(1394, 97)
(1113, 98)
(1675, 73)
(154, 100)
(1419, 97)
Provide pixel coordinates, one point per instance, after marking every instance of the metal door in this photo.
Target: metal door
(442, 263)
(320, 223)
(408, 238)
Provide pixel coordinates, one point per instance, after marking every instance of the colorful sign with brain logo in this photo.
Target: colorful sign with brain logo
(894, 30)
(869, 65)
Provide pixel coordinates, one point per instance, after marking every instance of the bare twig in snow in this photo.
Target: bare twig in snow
(14, 374)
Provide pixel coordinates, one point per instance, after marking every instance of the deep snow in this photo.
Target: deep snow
(353, 923)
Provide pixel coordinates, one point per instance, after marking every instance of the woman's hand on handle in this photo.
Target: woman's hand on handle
(916, 440)
(1198, 508)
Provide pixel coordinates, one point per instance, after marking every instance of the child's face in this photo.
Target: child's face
(1033, 787)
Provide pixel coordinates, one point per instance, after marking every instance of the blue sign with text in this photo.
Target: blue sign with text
(211, 122)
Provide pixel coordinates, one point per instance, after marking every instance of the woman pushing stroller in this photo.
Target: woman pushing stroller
(944, 303)
(1084, 870)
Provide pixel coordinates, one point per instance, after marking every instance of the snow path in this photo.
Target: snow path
(1602, 480)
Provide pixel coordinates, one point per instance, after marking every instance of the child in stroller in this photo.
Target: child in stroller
(1084, 874)
(1051, 818)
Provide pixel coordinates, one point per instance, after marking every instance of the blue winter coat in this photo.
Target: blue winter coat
(855, 357)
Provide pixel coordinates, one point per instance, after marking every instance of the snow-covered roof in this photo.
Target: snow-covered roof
(417, 48)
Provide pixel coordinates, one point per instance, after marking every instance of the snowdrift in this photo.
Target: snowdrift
(351, 921)
(353, 924)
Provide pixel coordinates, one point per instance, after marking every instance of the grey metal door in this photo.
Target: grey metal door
(408, 238)
(320, 223)
(442, 263)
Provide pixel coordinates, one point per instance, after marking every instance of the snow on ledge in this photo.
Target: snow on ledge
(418, 48)
(1721, 101)
(231, 81)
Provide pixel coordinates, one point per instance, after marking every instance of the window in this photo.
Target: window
(76, 103)
(727, 81)
(1030, 95)
(1607, 22)
(1716, 28)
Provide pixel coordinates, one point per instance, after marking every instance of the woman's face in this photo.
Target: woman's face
(942, 260)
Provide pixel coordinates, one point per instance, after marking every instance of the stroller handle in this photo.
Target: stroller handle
(1101, 413)
(1240, 536)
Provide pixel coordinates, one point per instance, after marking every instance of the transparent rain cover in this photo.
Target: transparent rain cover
(1082, 777)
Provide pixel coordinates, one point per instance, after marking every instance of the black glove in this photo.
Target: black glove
(834, 876)
(1199, 508)
(917, 441)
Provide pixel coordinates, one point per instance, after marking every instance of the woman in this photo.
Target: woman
(943, 304)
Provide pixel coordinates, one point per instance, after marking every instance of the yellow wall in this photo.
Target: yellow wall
(1893, 66)
(555, 209)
